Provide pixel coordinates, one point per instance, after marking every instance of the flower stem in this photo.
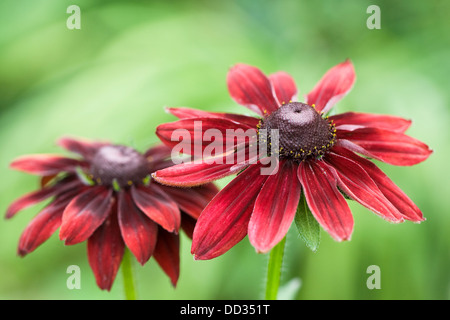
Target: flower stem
(128, 278)
(274, 270)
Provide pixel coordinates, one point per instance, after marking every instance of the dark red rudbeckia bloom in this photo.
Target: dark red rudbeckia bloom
(107, 197)
(318, 156)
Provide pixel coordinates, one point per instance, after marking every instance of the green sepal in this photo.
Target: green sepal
(146, 180)
(116, 185)
(307, 225)
(83, 176)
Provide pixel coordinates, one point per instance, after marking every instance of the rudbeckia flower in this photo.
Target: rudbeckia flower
(107, 198)
(325, 158)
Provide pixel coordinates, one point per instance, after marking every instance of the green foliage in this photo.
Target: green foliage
(307, 225)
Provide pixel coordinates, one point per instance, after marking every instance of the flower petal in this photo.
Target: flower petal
(167, 254)
(249, 87)
(105, 251)
(192, 200)
(193, 135)
(355, 120)
(159, 157)
(358, 185)
(45, 223)
(188, 113)
(188, 224)
(157, 206)
(138, 231)
(224, 221)
(390, 190)
(83, 147)
(41, 228)
(194, 173)
(333, 86)
(29, 199)
(45, 164)
(284, 87)
(275, 208)
(35, 197)
(85, 213)
(158, 152)
(327, 204)
(387, 146)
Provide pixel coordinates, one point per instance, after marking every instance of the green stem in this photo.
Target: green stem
(128, 278)
(274, 270)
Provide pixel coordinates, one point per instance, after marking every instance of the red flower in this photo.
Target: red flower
(107, 198)
(317, 156)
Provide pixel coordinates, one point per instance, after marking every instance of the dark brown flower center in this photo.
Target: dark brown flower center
(119, 165)
(302, 131)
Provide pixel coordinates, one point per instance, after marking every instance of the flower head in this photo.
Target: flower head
(107, 198)
(323, 157)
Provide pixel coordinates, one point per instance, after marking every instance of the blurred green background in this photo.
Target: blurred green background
(112, 78)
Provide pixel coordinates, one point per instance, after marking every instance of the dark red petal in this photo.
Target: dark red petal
(45, 164)
(157, 206)
(167, 254)
(41, 228)
(157, 153)
(284, 87)
(85, 213)
(188, 224)
(358, 185)
(192, 200)
(249, 87)
(355, 120)
(28, 200)
(333, 86)
(45, 223)
(327, 204)
(138, 231)
(390, 190)
(224, 221)
(387, 146)
(194, 173)
(35, 197)
(163, 164)
(192, 136)
(188, 113)
(83, 147)
(105, 252)
(275, 208)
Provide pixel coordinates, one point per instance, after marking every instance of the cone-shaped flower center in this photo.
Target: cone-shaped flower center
(121, 164)
(302, 131)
